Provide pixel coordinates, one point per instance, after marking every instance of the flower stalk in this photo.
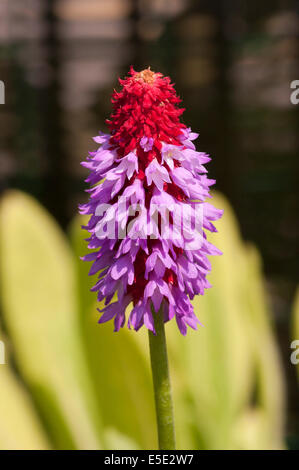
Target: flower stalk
(162, 385)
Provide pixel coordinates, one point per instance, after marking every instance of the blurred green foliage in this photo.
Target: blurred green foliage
(78, 385)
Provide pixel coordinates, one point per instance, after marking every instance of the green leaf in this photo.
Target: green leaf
(219, 366)
(118, 361)
(116, 440)
(253, 430)
(39, 302)
(269, 383)
(20, 427)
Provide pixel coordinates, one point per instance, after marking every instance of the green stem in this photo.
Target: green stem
(162, 387)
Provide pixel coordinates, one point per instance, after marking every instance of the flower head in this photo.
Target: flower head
(148, 209)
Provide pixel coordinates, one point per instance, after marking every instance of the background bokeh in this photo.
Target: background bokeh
(232, 62)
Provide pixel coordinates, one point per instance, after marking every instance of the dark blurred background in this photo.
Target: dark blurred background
(232, 62)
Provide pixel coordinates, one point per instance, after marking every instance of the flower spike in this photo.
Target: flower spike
(148, 209)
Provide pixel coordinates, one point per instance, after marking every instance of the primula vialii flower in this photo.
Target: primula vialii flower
(147, 208)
